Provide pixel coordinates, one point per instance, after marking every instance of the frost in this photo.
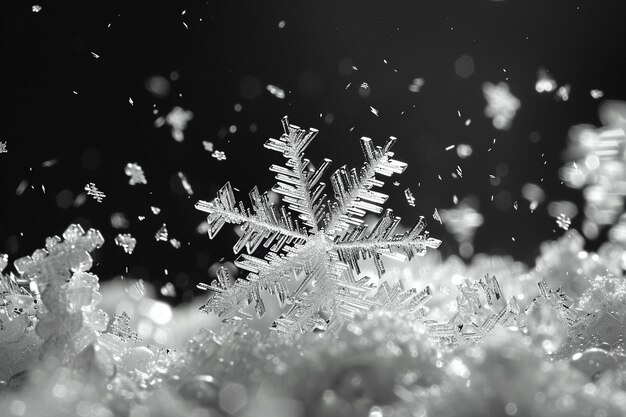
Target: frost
(136, 174)
(501, 105)
(316, 240)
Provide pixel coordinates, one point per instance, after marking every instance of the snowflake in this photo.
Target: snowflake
(127, 242)
(219, 155)
(321, 247)
(135, 172)
(501, 104)
(93, 191)
(563, 221)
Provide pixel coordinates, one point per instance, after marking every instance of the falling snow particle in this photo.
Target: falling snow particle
(95, 55)
(177, 119)
(208, 146)
(281, 24)
(416, 85)
(155, 210)
(185, 183)
(161, 234)
(563, 221)
(545, 83)
(175, 243)
(276, 91)
(127, 242)
(374, 111)
(563, 92)
(168, 290)
(135, 173)
(501, 105)
(437, 217)
(409, 197)
(596, 94)
(93, 191)
(3, 147)
(464, 151)
(219, 155)
(36, 8)
(449, 148)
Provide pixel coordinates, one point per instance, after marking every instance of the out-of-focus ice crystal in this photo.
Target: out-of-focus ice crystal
(501, 105)
(177, 119)
(545, 83)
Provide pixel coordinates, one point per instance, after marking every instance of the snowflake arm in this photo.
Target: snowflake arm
(353, 190)
(264, 224)
(301, 187)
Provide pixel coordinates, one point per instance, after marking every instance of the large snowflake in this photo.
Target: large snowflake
(320, 246)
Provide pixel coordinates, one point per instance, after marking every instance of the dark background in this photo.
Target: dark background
(229, 52)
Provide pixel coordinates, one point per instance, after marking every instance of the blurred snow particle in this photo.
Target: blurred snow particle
(501, 104)
(127, 242)
(135, 172)
(464, 66)
(155, 210)
(464, 151)
(49, 163)
(157, 85)
(175, 243)
(534, 194)
(276, 91)
(185, 183)
(219, 155)
(3, 147)
(208, 146)
(545, 83)
(177, 118)
(562, 208)
(203, 228)
(416, 85)
(596, 94)
(21, 187)
(130, 100)
(119, 221)
(168, 290)
(161, 234)
(95, 55)
(36, 8)
(563, 92)
(93, 191)
(281, 24)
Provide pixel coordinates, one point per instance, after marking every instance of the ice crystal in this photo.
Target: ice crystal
(3, 147)
(219, 155)
(545, 83)
(136, 174)
(177, 118)
(321, 247)
(126, 241)
(161, 234)
(183, 180)
(501, 105)
(93, 191)
(563, 221)
(409, 197)
(276, 91)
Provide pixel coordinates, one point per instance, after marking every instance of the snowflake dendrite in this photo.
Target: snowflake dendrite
(315, 240)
